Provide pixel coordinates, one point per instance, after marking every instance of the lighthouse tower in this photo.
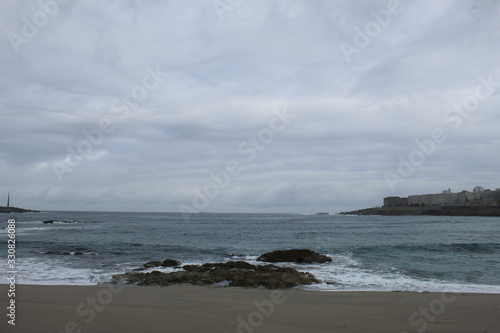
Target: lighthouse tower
(8, 199)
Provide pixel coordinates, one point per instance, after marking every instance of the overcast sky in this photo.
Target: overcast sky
(246, 106)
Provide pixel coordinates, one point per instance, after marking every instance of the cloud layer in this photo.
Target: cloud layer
(136, 105)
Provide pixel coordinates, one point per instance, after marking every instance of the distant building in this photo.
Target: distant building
(478, 189)
(478, 197)
(395, 202)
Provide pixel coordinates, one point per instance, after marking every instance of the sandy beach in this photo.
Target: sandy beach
(186, 308)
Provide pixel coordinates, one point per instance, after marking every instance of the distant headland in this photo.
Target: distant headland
(9, 209)
(16, 210)
(479, 202)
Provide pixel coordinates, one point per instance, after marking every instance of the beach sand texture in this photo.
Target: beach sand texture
(186, 308)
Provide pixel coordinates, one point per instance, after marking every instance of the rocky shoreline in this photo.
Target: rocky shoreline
(232, 273)
(431, 210)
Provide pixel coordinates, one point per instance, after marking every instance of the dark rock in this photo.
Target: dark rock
(192, 268)
(164, 263)
(152, 264)
(239, 265)
(60, 221)
(230, 265)
(237, 273)
(301, 256)
(170, 263)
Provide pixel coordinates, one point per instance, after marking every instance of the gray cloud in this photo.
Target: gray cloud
(226, 74)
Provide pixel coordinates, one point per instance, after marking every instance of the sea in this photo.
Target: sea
(376, 253)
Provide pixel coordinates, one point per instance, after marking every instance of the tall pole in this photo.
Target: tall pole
(8, 199)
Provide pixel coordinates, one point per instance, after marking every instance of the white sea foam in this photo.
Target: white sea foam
(23, 229)
(56, 272)
(342, 274)
(243, 258)
(345, 274)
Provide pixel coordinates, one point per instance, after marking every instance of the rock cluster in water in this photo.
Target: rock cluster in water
(300, 256)
(60, 221)
(232, 273)
(164, 263)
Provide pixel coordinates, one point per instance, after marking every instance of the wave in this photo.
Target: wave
(473, 247)
(68, 253)
(47, 228)
(53, 271)
(345, 273)
(483, 248)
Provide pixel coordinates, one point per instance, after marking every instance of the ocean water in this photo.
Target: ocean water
(369, 252)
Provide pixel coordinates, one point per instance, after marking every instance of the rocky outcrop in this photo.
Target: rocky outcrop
(150, 264)
(301, 256)
(164, 263)
(232, 273)
(170, 263)
(60, 221)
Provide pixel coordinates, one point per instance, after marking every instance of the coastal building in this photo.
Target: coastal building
(395, 202)
(478, 197)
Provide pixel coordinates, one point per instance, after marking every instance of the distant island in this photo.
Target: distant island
(479, 202)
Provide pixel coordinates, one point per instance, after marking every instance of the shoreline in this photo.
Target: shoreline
(481, 211)
(306, 288)
(187, 308)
